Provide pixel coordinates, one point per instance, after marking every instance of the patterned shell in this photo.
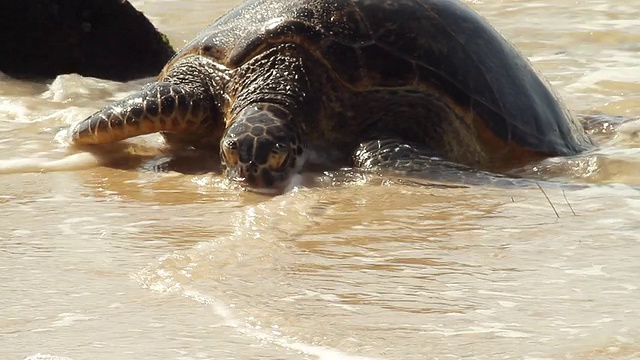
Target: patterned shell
(440, 45)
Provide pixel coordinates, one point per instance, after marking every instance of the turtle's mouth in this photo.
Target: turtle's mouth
(261, 178)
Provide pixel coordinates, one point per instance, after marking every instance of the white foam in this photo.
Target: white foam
(29, 165)
(67, 319)
(594, 270)
(295, 181)
(629, 130)
(70, 87)
(269, 336)
(39, 356)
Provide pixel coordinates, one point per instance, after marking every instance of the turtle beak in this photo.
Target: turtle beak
(253, 177)
(249, 174)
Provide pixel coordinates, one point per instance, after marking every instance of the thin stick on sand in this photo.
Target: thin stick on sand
(567, 201)
(549, 200)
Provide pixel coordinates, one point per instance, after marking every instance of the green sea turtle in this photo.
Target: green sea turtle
(376, 82)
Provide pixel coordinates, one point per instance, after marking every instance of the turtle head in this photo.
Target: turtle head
(261, 149)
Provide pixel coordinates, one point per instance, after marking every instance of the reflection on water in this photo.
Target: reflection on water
(131, 261)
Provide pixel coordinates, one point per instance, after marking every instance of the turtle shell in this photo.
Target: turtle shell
(425, 45)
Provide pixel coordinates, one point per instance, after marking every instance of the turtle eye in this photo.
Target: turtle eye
(279, 155)
(280, 148)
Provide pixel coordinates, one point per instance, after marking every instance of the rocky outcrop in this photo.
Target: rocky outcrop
(108, 39)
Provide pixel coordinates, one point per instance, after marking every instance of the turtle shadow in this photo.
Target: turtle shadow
(140, 157)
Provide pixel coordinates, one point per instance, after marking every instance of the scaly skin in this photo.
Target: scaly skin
(184, 104)
(157, 107)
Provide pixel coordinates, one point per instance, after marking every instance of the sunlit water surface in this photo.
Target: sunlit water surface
(109, 263)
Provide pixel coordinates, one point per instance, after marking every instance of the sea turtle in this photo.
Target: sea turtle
(374, 81)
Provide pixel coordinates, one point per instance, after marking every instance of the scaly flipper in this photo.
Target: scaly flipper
(416, 160)
(394, 154)
(160, 106)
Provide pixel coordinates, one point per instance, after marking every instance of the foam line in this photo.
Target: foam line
(226, 313)
(78, 161)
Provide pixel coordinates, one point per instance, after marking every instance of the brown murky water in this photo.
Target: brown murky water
(101, 263)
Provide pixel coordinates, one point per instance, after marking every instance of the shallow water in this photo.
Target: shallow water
(105, 263)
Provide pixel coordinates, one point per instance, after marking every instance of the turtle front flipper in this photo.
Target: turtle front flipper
(157, 107)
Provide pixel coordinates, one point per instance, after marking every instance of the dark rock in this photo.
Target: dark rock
(108, 39)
